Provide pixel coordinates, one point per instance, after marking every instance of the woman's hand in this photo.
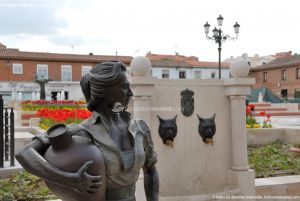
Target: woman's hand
(84, 182)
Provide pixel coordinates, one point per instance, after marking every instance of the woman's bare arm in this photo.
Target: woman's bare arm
(32, 161)
(151, 183)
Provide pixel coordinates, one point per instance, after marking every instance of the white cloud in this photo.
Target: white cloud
(104, 27)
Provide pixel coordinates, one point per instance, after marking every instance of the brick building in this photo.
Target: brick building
(19, 69)
(281, 76)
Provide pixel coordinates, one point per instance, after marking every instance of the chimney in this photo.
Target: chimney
(2, 47)
(245, 55)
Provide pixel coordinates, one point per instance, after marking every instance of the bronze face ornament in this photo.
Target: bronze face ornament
(207, 129)
(167, 130)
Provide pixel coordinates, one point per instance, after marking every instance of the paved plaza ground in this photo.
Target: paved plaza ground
(283, 121)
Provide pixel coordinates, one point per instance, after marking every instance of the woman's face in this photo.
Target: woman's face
(120, 92)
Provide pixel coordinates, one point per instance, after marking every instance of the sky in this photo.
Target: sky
(135, 27)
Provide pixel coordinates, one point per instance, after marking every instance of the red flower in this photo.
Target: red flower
(262, 113)
(251, 106)
(248, 110)
(61, 115)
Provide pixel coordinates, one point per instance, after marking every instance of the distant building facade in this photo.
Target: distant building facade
(281, 76)
(183, 67)
(257, 60)
(19, 69)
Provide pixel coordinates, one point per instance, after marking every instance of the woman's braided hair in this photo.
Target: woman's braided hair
(95, 83)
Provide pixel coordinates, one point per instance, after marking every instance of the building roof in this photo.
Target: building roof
(9, 53)
(282, 54)
(161, 60)
(169, 63)
(280, 62)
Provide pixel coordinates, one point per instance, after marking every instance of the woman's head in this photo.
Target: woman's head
(106, 82)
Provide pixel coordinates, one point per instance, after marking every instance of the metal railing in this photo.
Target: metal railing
(7, 134)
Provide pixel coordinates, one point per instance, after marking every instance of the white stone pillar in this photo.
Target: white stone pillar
(237, 89)
(142, 85)
(239, 134)
(142, 88)
(141, 108)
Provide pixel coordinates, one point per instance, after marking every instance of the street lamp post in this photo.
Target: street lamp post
(219, 37)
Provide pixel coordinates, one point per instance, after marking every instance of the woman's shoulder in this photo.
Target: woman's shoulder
(141, 124)
(80, 130)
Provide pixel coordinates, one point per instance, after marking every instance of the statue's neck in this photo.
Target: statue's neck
(108, 113)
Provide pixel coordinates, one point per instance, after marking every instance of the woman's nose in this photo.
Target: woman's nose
(129, 93)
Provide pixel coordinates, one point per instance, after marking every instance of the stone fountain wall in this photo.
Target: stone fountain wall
(192, 170)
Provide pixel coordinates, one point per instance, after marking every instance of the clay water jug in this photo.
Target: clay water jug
(68, 153)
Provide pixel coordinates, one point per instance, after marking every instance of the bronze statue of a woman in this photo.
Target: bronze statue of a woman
(125, 143)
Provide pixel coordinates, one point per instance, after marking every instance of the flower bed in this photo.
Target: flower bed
(40, 104)
(251, 121)
(52, 112)
(49, 117)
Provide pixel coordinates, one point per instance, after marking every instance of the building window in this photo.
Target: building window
(42, 71)
(182, 74)
(297, 93)
(298, 73)
(66, 73)
(85, 70)
(165, 74)
(284, 93)
(17, 68)
(265, 76)
(213, 75)
(197, 74)
(283, 75)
